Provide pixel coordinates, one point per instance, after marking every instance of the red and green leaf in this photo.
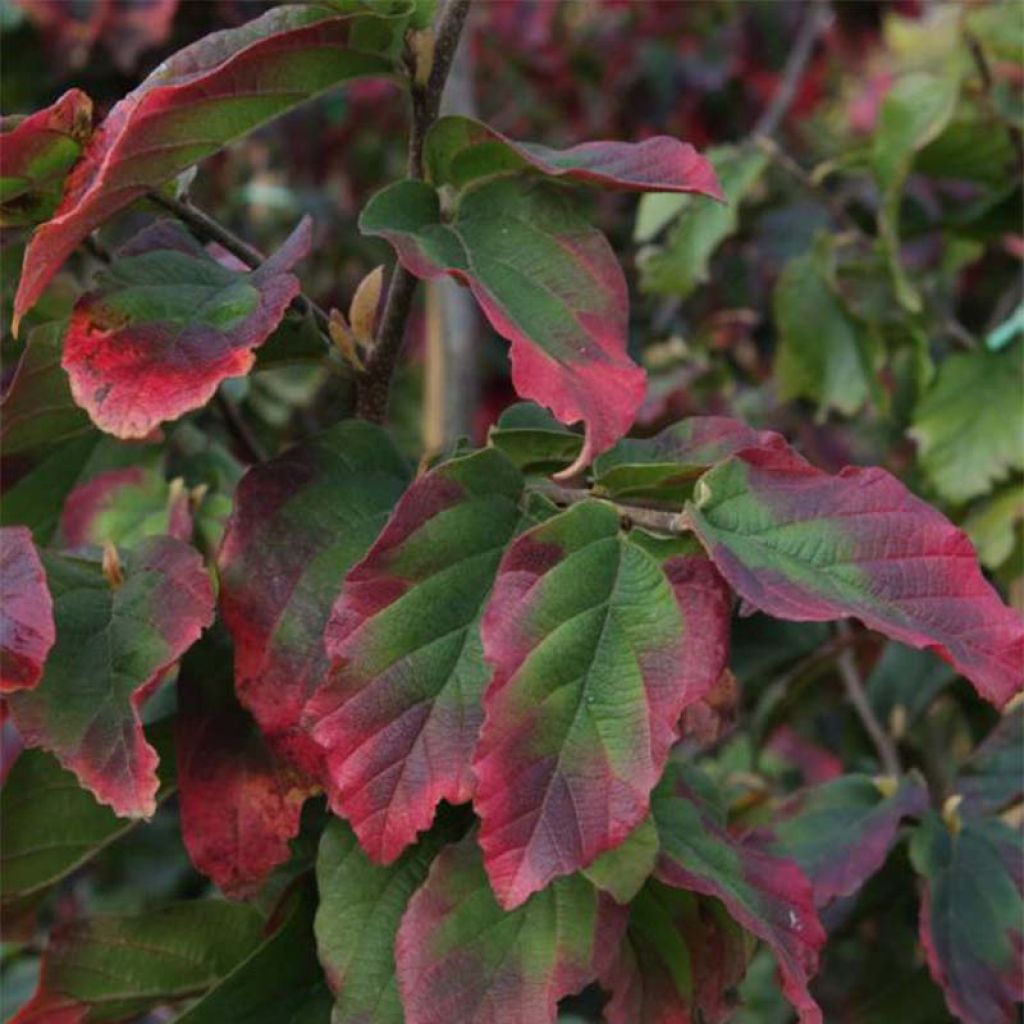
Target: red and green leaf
(681, 957)
(460, 150)
(114, 968)
(801, 544)
(971, 915)
(768, 895)
(361, 908)
(36, 153)
(992, 780)
(122, 506)
(462, 958)
(300, 522)
(114, 644)
(841, 832)
(546, 280)
(665, 466)
(399, 714)
(27, 631)
(168, 324)
(240, 803)
(196, 102)
(594, 662)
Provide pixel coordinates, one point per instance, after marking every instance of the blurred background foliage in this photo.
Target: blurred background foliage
(861, 293)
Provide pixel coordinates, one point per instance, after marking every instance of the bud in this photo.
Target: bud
(112, 568)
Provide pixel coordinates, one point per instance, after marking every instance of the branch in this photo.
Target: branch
(374, 384)
(209, 230)
(854, 686)
(816, 21)
(651, 517)
(239, 429)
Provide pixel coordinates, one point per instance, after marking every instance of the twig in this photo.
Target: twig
(987, 83)
(210, 230)
(854, 685)
(374, 385)
(817, 19)
(642, 514)
(239, 429)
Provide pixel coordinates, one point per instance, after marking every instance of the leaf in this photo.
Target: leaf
(124, 505)
(664, 467)
(697, 229)
(459, 151)
(992, 779)
(915, 111)
(168, 323)
(36, 153)
(841, 832)
(971, 914)
(206, 95)
(52, 826)
(399, 714)
(534, 440)
(27, 632)
(623, 870)
(113, 646)
(821, 352)
(800, 544)
(593, 663)
(767, 895)
(300, 522)
(964, 445)
(240, 804)
(996, 527)
(280, 981)
(38, 410)
(680, 958)
(462, 958)
(361, 906)
(110, 968)
(904, 682)
(545, 279)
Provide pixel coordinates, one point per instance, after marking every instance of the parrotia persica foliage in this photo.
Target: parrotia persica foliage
(459, 740)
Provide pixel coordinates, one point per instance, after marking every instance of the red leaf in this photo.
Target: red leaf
(26, 611)
(399, 714)
(168, 324)
(114, 644)
(462, 958)
(240, 804)
(198, 100)
(771, 897)
(800, 544)
(299, 523)
(459, 149)
(36, 154)
(583, 624)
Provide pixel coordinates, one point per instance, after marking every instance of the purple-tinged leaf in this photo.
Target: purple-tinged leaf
(26, 611)
(460, 150)
(971, 915)
(300, 522)
(993, 777)
(399, 714)
(801, 544)
(462, 958)
(769, 896)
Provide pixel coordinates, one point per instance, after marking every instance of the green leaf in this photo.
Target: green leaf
(51, 825)
(118, 967)
(904, 682)
(361, 906)
(971, 915)
(279, 983)
(38, 410)
(822, 350)
(698, 228)
(914, 113)
(996, 528)
(534, 440)
(623, 870)
(992, 780)
(969, 425)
